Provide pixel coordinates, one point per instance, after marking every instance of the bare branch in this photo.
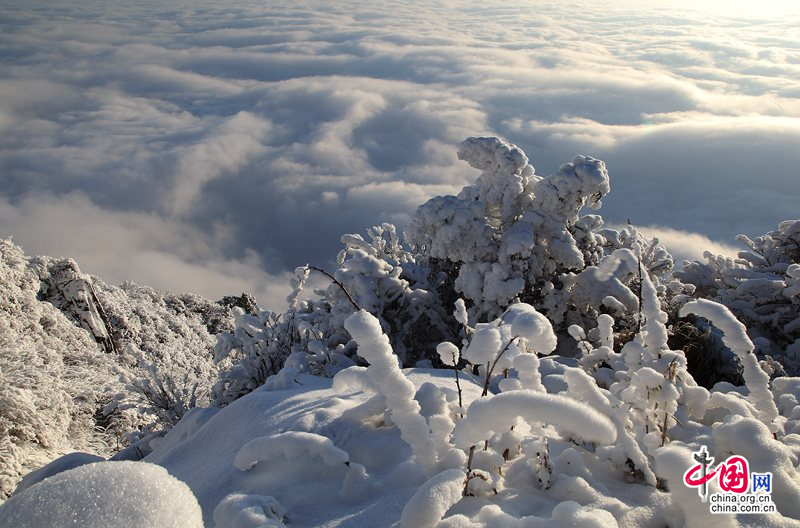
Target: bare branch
(339, 284)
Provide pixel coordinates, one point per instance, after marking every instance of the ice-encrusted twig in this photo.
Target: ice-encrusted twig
(385, 373)
(496, 413)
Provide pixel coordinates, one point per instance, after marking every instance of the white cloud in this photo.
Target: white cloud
(227, 149)
(684, 245)
(293, 123)
(145, 248)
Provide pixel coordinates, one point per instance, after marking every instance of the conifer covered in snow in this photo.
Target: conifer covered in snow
(762, 288)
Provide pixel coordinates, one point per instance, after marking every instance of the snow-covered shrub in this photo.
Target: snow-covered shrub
(170, 340)
(311, 336)
(486, 416)
(762, 288)
(511, 230)
(599, 440)
(88, 366)
(624, 412)
(384, 279)
(735, 338)
(510, 237)
(167, 392)
(165, 340)
(54, 376)
(258, 346)
(514, 236)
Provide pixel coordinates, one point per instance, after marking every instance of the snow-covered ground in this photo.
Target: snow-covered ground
(379, 446)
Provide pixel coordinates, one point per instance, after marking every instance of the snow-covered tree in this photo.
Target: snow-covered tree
(514, 236)
(510, 237)
(762, 287)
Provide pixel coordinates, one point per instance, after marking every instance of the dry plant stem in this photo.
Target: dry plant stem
(339, 284)
(485, 392)
(639, 295)
(672, 374)
(469, 470)
(458, 387)
(494, 364)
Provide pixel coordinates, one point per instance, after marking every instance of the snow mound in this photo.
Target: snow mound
(289, 445)
(249, 511)
(105, 495)
(433, 499)
(61, 464)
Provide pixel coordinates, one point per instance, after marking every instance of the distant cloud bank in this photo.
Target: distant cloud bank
(214, 146)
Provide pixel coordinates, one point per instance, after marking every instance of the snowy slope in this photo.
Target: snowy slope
(323, 453)
(201, 451)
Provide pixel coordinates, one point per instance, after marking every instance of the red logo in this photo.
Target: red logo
(733, 474)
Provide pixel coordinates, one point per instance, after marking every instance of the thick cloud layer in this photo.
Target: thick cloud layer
(213, 146)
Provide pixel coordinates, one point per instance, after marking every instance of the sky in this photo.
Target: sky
(213, 146)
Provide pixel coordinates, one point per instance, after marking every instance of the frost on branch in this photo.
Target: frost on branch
(497, 413)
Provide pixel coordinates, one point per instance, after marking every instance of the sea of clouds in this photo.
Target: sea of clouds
(213, 146)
